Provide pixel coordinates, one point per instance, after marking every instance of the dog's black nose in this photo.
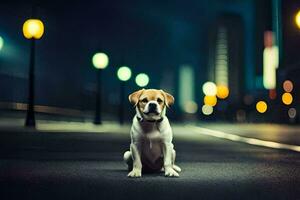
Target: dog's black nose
(152, 107)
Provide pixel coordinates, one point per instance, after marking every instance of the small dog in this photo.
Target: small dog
(151, 147)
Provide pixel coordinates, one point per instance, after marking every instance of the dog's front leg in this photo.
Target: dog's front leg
(168, 164)
(137, 164)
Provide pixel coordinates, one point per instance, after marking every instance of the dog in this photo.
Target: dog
(151, 147)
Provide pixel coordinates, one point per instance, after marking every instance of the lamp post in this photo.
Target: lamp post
(124, 74)
(33, 29)
(100, 62)
(142, 80)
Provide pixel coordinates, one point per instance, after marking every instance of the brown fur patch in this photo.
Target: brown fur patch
(141, 97)
(151, 95)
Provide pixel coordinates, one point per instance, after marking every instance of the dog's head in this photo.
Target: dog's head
(151, 103)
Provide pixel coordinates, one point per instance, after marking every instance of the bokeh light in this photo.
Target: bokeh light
(33, 28)
(209, 89)
(100, 60)
(292, 112)
(210, 100)
(287, 98)
(297, 19)
(190, 107)
(261, 106)
(142, 79)
(1, 43)
(207, 110)
(288, 86)
(222, 91)
(270, 64)
(124, 73)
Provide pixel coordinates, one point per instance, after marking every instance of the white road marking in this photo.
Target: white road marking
(252, 141)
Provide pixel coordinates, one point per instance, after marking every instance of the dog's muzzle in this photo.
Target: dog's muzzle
(152, 109)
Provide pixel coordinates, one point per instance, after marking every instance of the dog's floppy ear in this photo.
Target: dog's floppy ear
(134, 97)
(169, 99)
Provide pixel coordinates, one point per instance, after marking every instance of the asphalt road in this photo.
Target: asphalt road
(66, 165)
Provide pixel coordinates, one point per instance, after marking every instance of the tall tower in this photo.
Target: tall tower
(226, 59)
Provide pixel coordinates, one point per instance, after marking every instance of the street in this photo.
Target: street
(44, 164)
(224, 75)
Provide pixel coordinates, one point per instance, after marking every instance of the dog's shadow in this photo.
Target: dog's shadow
(124, 172)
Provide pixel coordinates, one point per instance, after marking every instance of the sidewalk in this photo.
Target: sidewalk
(15, 124)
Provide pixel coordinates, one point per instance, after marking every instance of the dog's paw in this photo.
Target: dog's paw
(176, 168)
(170, 172)
(135, 173)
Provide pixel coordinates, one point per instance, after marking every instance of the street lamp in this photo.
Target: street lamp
(100, 61)
(32, 29)
(142, 80)
(124, 74)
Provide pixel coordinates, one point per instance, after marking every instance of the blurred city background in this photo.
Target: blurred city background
(67, 68)
(231, 60)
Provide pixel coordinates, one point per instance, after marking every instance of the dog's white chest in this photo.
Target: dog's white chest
(151, 140)
(151, 135)
(151, 132)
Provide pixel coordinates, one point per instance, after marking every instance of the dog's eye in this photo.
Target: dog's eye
(159, 100)
(144, 100)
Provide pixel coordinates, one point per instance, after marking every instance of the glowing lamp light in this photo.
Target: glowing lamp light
(190, 107)
(297, 19)
(142, 79)
(210, 100)
(261, 107)
(287, 98)
(222, 91)
(124, 73)
(270, 64)
(100, 60)
(207, 110)
(288, 86)
(33, 28)
(209, 88)
(1, 43)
